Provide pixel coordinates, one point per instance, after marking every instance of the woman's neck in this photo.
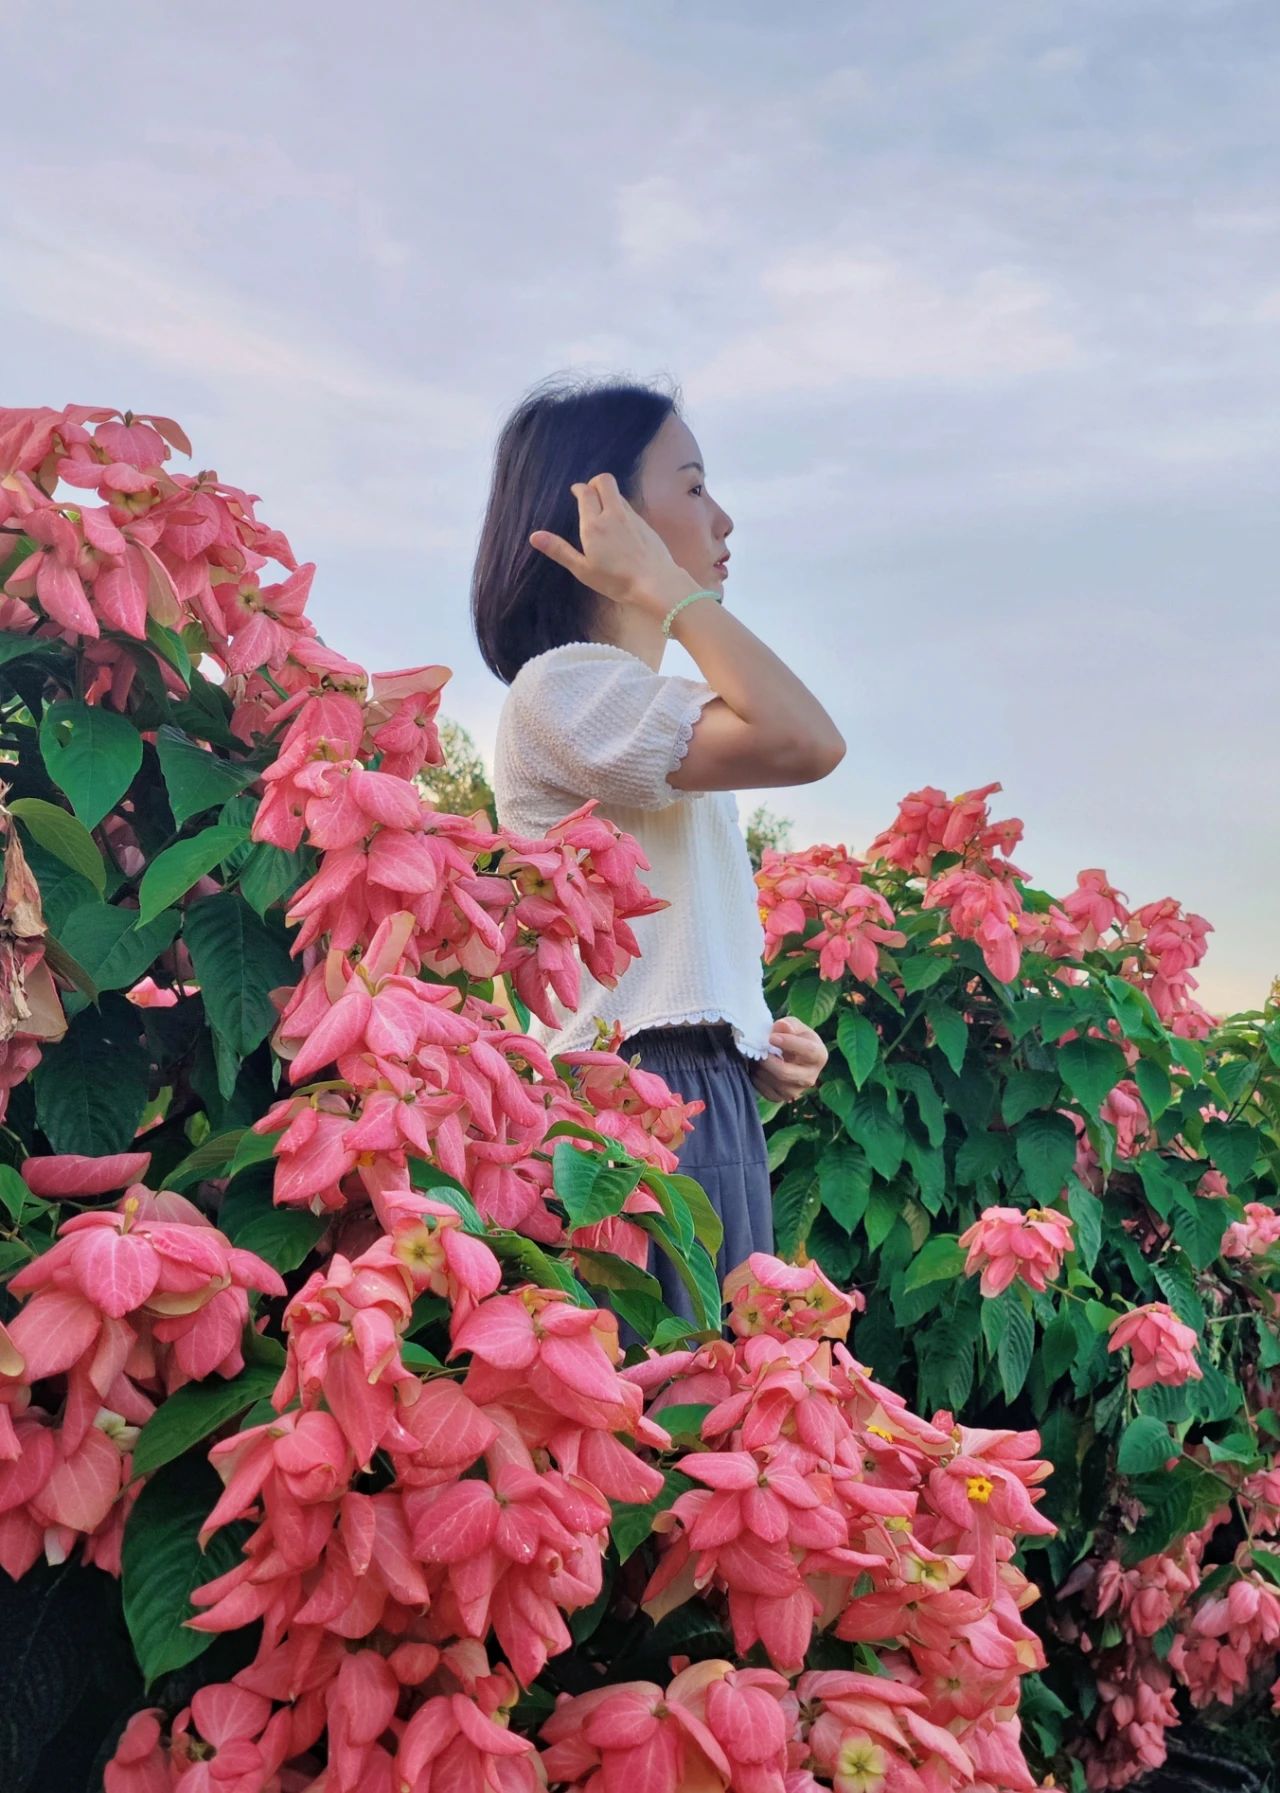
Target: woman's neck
(623, 626)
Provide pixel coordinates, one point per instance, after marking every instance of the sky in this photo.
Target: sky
(974, 306)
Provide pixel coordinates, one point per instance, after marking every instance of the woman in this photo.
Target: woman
(601, 541)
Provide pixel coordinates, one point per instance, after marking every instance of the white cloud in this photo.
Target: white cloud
(164, 318)
(657, 223)
(841, 318)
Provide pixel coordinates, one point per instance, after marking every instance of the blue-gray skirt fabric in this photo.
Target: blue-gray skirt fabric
(726, 1151)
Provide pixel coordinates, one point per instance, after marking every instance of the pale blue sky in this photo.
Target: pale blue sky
(976, 307)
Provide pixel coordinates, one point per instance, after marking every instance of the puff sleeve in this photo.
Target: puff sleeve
(595, 721)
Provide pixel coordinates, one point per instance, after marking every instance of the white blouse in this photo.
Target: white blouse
(592, 720)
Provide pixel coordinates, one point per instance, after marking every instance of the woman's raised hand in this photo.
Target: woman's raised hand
(622, 558)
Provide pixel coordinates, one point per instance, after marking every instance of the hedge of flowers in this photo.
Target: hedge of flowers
(315, 1271)
(1054, 1182)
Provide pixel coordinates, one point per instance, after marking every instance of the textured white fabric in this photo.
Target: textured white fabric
(593, 720)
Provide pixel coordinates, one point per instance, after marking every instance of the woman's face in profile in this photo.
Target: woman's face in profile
(674, 501)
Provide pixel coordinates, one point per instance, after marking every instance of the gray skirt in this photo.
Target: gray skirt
(725, 1152)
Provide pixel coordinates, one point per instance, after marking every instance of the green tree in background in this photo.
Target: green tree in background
(461, 785)
(764, 829)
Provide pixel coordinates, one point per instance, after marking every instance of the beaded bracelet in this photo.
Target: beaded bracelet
(675, 609)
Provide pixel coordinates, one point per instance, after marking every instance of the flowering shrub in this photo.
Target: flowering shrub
(1052, 1183)
(311, 1334)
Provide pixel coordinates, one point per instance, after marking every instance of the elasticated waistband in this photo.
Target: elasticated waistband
(702, 1043)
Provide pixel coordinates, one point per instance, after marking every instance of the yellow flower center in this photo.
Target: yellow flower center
(880, 1432)
(861, 1765)
(978, 1488)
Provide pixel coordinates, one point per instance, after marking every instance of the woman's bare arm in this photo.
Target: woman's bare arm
(765, 727)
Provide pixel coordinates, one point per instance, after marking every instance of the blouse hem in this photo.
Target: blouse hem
(681, 1018)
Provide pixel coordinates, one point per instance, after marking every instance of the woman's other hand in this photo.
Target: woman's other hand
(803, 1057)
(622, 558)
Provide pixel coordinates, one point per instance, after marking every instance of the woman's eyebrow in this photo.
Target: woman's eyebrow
(688, 464)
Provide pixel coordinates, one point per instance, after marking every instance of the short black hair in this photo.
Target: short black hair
(566, 430)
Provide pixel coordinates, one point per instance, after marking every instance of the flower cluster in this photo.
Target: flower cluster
(30, 1007)
(1008, 1245)
(961, 854)
(422, 1529)
(820, 1501)
(129, 1304)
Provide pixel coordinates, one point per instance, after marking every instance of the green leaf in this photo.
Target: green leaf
(916, 1079)
(1232, 1146)
(692, 1265)
(877, 1131)
(707, 1224)
(1205, 1220)
(536, 1265)
(162, 1562)
(194, 1412)
(1028, 1090)
(994, 1317)
(979, 1155)
(1190, 1054)
(844, 1183)
(782, 1139)
(1058, 1347)
(795, 1207)
(238, 961)
(1154, 1087)
(1046, 1149)
(929, 1166)
(64, 836)
(951, 1031)
(684, 1419)
(923, 971)
(282, 1237)
(1178, 1286)
(633, 1523)
(269, 874)
(1086, 1219)
(171, 647)
(213, 1157)
(15, 1197)
(111, 945)
(172, 873)
(590, 1189)
(1013, 1356)
(882, 1212)
(195, 777)
(859, 1041)
(1134, 1011)
(256, 1148)
(21, 647)
(938, 1260)
(1178, 1501)
(1091, 1070)
(812, 999)
(1145, 1445)
(91, 1086)
(91, 754)
(1161, 1187)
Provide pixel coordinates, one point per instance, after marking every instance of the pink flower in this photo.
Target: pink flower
(1006, 1244)
(73, 1174)
(1164, 1350)
(1253, 1236)
(1095, 907)
(791, 1300)
(853, 933)
(986, 909)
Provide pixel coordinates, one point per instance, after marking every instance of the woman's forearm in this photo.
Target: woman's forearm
(757, 686)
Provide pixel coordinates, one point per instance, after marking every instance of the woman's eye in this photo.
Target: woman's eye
(694, 491)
